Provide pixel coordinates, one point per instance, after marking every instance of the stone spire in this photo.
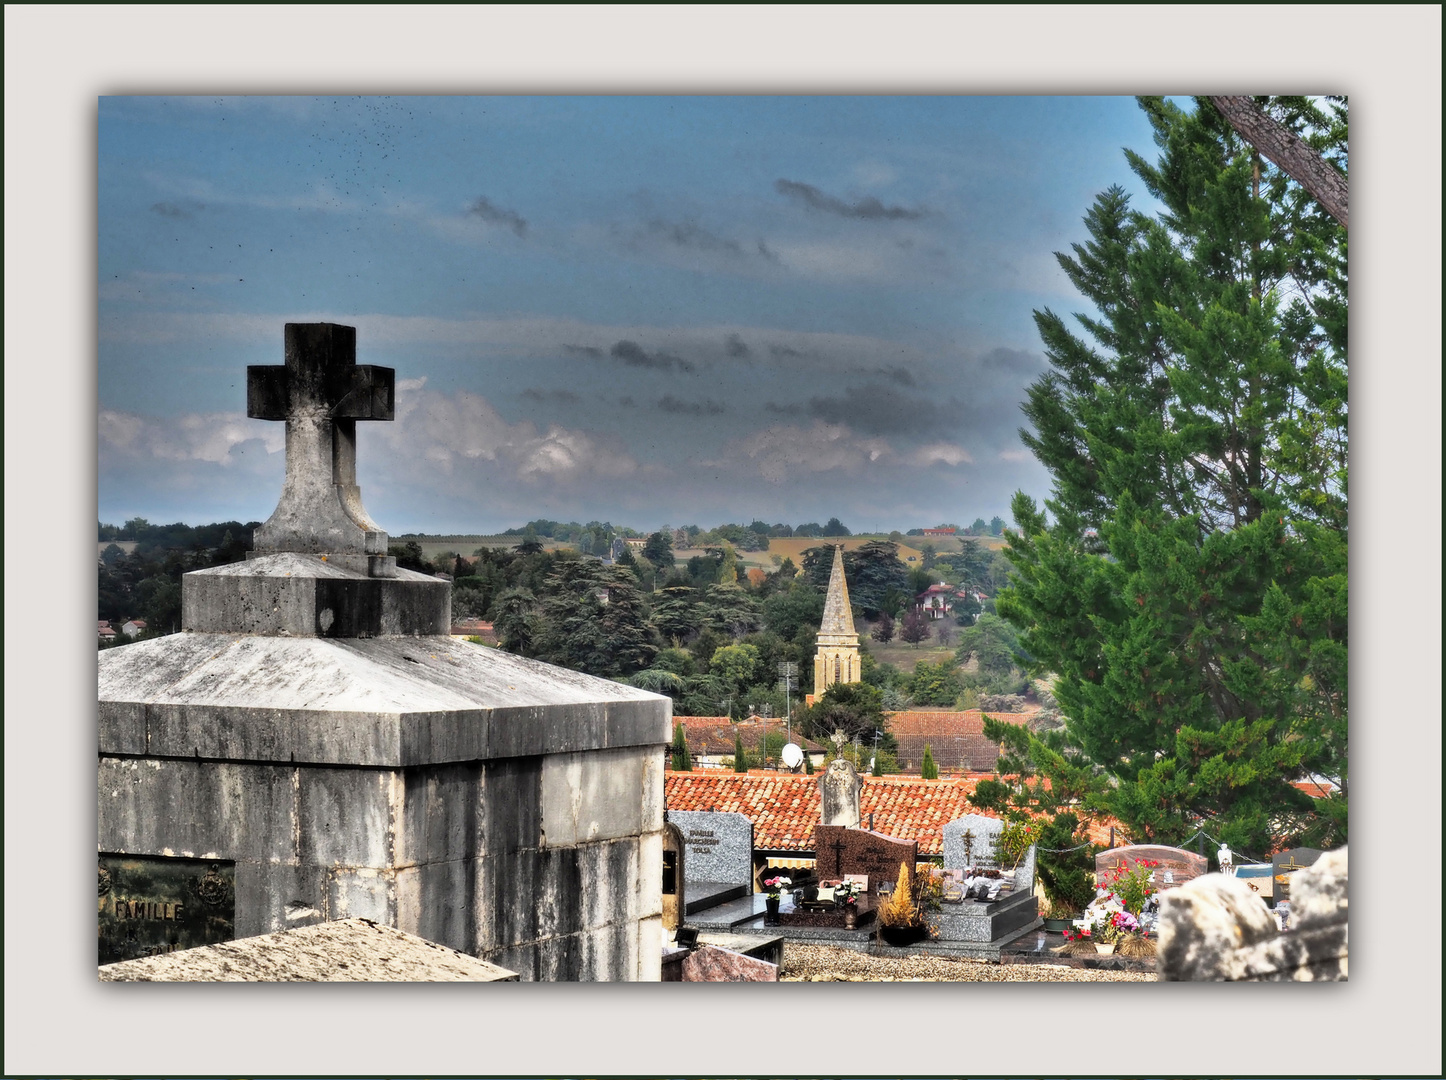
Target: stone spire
(837, 659)
(838, 615)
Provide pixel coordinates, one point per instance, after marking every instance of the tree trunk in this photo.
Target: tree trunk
(1291, 154)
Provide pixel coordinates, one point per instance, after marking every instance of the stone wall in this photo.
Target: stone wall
(489, 858)
(1215, 929)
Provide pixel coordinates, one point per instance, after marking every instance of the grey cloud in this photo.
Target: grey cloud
(867, 209)
(668, 403)
(737, 347)
(627, 401)
(878, 410)
(634, 355)
(584, 350)
(1012, 360)
(564, 397)
(783, 350)
(496, 215)
(901, 375)
(175, 210)
(689, 234)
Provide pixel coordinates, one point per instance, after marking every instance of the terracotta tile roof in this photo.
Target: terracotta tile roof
(785, 807)
(713, 735)
(956, 739)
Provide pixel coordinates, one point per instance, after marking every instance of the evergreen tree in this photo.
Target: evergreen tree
(659, 549)
(1190, 592)
(740, 759)
(682, 760)
(928, 769)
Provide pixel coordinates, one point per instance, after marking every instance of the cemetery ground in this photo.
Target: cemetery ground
(823, 963)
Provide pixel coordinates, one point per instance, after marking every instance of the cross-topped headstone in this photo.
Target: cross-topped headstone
(321, 392)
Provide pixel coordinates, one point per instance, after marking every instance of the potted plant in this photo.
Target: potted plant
(901, 917)
(1107, 930)
(846, 896)
(774, 886)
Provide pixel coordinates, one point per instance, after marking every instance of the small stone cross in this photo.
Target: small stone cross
(838, 738)
(321, 392)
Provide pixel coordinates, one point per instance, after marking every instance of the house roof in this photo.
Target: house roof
(713, 735)
(785, 807)
(956, 739)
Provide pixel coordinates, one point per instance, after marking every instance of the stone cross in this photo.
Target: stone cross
(838, 738)
(321, 392)
(968, 839)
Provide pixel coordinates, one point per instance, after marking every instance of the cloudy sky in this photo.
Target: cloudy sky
(644, 310)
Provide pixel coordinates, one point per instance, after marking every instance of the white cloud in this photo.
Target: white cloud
(1015, 455)
(448, 432)
(780, 450)
(211, 437)
(940, 453)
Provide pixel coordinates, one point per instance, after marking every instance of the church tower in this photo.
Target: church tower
(837, 660)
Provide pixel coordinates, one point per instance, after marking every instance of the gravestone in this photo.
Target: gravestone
(1285, 864)
(969, 843)
(675, 855)
(709, 963)
(314, 727)
(839, 787)
(839, 852)
(719, 846)
(1177, 866)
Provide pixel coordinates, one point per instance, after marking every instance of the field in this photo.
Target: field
(903, 656)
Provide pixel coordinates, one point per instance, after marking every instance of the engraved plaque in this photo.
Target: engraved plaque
(151, 904)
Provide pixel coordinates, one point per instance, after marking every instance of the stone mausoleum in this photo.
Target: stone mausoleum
(313, 746)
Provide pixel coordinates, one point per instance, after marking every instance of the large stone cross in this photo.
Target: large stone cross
(321, 392)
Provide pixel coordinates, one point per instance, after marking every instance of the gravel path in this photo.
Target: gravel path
(822, 963)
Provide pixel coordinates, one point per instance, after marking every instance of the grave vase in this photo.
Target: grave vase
(770, 916)
(851, 917)
(1104, 948)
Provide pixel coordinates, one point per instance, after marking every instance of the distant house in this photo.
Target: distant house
(940, 532)
(106, 632)
(955, 739)
(134, 628)
(710, 739)
(938, 600)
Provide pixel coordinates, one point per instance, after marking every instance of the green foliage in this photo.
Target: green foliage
(993, 643)
(740, 757)
(935, 684)
(856, 709)
(592, 618)
(735, 665)
(1190, 593)
(659, 549)
(929, 770)
(682, 759)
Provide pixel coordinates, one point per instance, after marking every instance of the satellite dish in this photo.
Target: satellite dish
(792, 756)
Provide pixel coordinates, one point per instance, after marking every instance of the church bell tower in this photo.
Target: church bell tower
(837, 659)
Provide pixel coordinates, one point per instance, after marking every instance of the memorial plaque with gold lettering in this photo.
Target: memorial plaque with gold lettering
(151, 904)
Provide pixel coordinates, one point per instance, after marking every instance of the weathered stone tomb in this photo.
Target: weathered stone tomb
(315, 737)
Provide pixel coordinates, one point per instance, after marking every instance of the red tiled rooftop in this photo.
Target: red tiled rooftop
(784, 807)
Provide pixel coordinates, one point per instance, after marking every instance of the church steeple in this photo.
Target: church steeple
(837, 659)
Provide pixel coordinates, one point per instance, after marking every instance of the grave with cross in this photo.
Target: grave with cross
(321, 392)
(316, 735)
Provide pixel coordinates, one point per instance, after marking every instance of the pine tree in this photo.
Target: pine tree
(929, 770)
(1190, 592)
(682, 760)
(740, 759)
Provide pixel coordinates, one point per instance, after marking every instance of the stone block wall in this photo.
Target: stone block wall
(549, 864)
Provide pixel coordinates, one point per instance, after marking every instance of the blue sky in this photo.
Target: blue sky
(646, 310)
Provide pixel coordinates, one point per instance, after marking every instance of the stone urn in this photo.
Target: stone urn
(851, 917)
(1104, 948)
(770, 905)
